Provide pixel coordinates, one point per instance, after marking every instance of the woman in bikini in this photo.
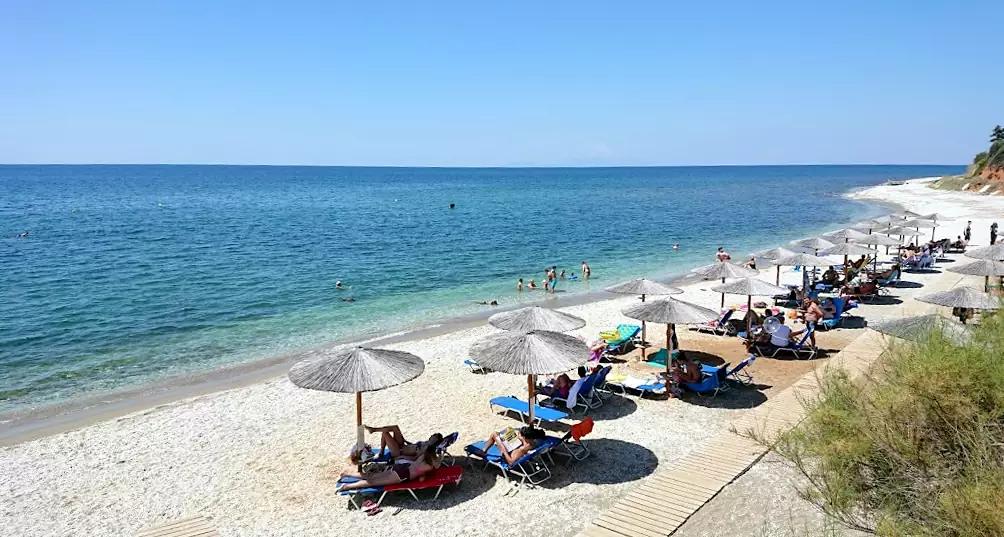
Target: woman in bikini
(392, 439)
(428, 460)
(529, 437)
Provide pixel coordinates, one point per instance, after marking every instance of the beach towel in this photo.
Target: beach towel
(573, 393)
(582, 428)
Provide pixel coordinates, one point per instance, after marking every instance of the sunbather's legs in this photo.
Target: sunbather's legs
(387, 477)
(492, 440)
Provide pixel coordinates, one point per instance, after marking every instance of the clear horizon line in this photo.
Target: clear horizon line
(499, 166)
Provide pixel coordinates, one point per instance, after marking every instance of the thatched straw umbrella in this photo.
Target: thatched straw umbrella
(670, 312)
(844, 235)
(878, 240)
(644, 287)
(535, 318)
(905, 215)
(962, 297)
(813, 243)
(983, 267)
(868, 226)
(995, 252)
(355, 370)
(918, 223)
(773, 254)
(917, 328)
(724, 270)
(902, 232)
(847, 249)
(538, 352)
(805, 260)
(750, 287)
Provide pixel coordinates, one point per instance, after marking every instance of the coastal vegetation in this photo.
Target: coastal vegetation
(917, 447)
(985, 172)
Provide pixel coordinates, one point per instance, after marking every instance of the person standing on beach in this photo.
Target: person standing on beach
(722, 256)
(968, 233)
(993, 233)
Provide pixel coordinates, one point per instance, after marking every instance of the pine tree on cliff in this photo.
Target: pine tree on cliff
(997, 135)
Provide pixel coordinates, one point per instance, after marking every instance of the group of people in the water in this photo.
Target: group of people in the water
(341, 287)
(551, 277)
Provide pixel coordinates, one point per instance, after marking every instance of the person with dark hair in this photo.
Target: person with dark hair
(968, 233)
(993, 233)
(427, 460)
(529, 437)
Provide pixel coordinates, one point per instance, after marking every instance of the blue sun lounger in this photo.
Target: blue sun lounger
(540, 413)
(476, 367)
(713, 381)
(798, 348)
(625, 339)
(531, 468)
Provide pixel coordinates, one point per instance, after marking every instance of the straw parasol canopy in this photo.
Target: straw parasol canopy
(813, 243)
(750, 287)
(670, 312)
(355, 370)
(535, 318)
(995, 252)
(537, 352)
(905, 215)
(962, 297)
(724, 270)
(937, 217)
(878, 240)
(917, 328)
(805, 260)
(983, 267)
(847, 248)
(870, 225)
(920, 222)
(846, 234)
(772, 254)
(644, 287)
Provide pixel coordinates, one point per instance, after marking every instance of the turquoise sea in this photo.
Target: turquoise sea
(134, 273)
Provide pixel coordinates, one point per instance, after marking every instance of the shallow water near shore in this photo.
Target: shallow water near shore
(131, 274)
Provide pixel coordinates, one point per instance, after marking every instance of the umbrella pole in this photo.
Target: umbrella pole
(777, 281)
(531, 387)
(749, 318)
(360, 432)
(643, 326)
(669, 348)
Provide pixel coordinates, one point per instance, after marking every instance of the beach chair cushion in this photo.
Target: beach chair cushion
(523, 408)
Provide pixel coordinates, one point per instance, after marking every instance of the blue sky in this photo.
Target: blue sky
(504, 83)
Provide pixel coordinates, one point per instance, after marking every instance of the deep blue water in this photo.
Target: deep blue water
(130, 273)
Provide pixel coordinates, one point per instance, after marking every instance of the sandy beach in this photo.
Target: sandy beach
(263, 459)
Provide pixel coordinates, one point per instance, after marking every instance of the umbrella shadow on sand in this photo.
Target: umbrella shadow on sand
(474, 483)
(903, 284)
(735, 398)
(922, 271)
(884, 300)
(610, 462)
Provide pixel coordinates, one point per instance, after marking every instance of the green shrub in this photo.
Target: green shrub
(915, 448)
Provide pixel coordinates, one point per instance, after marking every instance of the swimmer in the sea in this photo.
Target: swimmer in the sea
(676, 246)
(348, 299)
(339, 286)
(486, 303)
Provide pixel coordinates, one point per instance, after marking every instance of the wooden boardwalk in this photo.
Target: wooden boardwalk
(188, 527)
(660, 505)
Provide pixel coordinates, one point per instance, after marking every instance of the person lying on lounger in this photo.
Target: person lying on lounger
(559, 388)
(391, 438)
(830, 277)
(426, 461)
(691, 369)
(529, 438)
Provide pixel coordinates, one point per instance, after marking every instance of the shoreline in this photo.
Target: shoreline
(264, 459)
(27, 424)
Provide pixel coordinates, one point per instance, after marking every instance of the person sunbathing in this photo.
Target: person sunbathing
(558, 388)
(425, 461)
(959, 244)
(691, 370)
(597, 349)
(830, 277)
(392, 439)
(529, 438)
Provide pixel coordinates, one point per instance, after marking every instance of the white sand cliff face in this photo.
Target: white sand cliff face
(263, 459)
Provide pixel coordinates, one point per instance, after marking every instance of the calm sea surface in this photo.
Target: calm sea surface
(133, 273)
